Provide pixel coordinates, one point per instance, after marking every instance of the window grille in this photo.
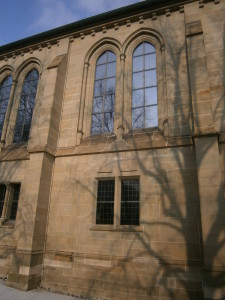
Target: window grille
(26, 107)
(104, 94)
(144, 87)
(129, 202)
(2, 197)
(5, 88)
(105, 202)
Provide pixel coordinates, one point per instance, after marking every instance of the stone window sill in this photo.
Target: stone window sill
(7, 224)
(122, 228)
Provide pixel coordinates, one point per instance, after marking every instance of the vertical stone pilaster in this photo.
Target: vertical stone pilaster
(212, 214)
(32, 222)
(203, 122)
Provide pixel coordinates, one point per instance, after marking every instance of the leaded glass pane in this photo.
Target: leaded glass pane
(100, 71)
(149, 48)
(5, 88)
(138, 64)
(105, 202)
(96, 124)
(151, 116)
(25, 111)
(150, 61)
(14, 206)
(151, 96)
(99, 88)
(105, 82)
(2, 197)
(150, 78)
(129, 202)
(138, 118)
(138, 80)
(109, 102)
(144, 89)
(108, 122)
(97, 105)
(102, 59)
(139, 50)
(111, 69)
(138, 98)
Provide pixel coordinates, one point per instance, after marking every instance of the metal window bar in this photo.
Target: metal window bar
(5, 88)
(2, 197)
(105, 202)
(25, 111)
(104, 94)
(15, 199)
(129, 202)
(144, 97)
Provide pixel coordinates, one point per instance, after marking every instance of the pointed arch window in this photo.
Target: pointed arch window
(104, 94)
(5, 88)
(144, 87)
(26, 107)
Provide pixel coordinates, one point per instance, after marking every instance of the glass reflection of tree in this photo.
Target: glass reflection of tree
(104, 94)
(5, 88)
(25, 111)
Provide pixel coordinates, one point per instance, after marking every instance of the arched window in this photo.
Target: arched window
(144, 87)
(26, 107)
(104, 94)
(5, 88)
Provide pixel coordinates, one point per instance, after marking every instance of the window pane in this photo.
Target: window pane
(104, 87)
(98, 104)
(100, 72)
(25, 133)
(138, 98)
(25, 112)
(150, 78)
(111, 56)
(129, 202)
(14, 206)
(151, 116)
(151, 96)
(105, 202)
(149, 48)
(138, 118)
(139, 50)
(99, 88)
(96, 124)
(138, 63)
(109, 102)
(138, 80)
(5, 88)
(2, 117)
(110, 86)
(2, 197)
(111, 69)
(150, 61)
(102, 59)
(108, 122)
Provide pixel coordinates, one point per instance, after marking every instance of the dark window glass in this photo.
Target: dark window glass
(2, 197)
(105, 202)
(129, 202)
(144, 87)
(104, 94)
(5, 88)
(25, 111)
(14, 204)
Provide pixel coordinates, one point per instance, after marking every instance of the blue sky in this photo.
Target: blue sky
(22, 18)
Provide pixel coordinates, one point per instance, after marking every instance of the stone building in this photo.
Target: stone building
(112, 154)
